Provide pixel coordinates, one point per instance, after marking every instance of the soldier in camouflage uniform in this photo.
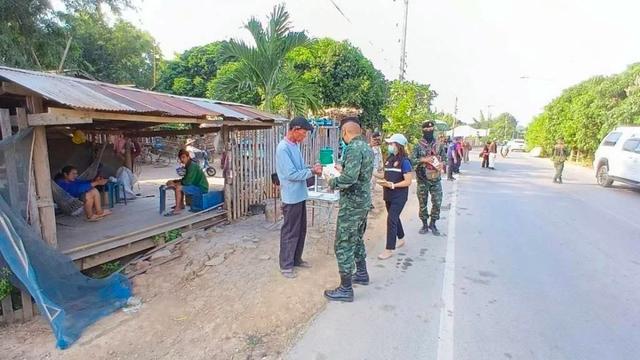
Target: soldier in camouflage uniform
(354, 184)
(560, 155)
(428, 159)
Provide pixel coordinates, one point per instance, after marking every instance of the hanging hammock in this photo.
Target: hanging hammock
(68, 204)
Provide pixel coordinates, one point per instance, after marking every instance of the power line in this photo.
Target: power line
(373, 46)
(340, 11)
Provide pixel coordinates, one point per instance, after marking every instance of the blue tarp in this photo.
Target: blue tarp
(68, 299)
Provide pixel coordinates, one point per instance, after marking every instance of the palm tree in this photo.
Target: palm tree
(262, 66)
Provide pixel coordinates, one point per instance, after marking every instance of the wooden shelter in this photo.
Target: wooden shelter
(52, 104)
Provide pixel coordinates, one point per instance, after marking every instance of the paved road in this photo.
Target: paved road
(529, 270)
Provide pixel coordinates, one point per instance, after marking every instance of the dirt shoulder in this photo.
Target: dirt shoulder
(236, 307)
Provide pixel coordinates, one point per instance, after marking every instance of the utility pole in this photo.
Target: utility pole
(403, 42)
(455, 118)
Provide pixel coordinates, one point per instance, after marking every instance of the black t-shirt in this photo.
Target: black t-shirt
(394, 169)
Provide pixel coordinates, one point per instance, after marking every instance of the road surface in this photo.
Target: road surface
(527, 269)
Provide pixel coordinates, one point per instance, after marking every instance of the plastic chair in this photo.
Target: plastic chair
(114, 189)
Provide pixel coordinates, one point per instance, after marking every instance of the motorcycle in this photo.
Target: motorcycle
(202, 158)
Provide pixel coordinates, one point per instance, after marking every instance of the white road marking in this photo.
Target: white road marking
(445, 334)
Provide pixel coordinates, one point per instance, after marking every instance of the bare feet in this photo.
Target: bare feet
(399, 243)
(104, 213)
(385, 254)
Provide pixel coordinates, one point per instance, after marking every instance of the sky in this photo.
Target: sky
(492, 55)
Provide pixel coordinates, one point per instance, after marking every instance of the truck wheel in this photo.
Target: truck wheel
(603, 176)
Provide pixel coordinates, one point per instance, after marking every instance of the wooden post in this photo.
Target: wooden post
(43, 176)
(10, 161)
(128, 160)
(224, 133)
(34, 217)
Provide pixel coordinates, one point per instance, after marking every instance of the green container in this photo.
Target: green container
(326, 156)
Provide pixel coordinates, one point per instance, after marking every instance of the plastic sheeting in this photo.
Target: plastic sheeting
(69, 300)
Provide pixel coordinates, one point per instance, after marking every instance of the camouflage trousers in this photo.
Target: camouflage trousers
(559, 165)
(349, 244)
(426, 188)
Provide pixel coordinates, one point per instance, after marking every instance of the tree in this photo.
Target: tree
(342, 77)
(190, 73)
(262, 65)
(503, 127)
(407, 107)
(121, 53)
(584, 113)
(32, 34)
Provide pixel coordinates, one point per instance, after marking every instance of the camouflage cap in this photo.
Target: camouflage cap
(428, 123)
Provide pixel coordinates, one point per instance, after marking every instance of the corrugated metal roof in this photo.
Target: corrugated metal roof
(94, 95)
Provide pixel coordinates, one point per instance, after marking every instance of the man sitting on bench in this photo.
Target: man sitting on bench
(194, 182)
(84, 190)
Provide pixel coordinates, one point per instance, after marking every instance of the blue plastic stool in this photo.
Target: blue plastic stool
(113, 193)
(163, 196)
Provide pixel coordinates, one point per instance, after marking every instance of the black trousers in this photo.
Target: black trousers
(394, 225)
(292, 234)
(485, 161)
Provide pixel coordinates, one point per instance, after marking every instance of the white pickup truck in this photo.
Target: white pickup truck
(618, 157)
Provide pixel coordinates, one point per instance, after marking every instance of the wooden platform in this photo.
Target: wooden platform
(130, 229)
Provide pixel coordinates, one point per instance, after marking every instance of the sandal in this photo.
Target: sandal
(104, 213)
(385, 255)
(400, 243)
(95, 218)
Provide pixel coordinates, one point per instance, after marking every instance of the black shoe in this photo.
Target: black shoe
(424, 229)
(560, 181)
(344, 292)
(361, 276)
(433, 228)
(451, 179)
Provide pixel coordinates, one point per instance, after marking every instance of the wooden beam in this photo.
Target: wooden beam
(43, 176)
(56, 119)
(12, 88)
(99, 115)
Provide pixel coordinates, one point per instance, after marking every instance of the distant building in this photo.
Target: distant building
(468, 132)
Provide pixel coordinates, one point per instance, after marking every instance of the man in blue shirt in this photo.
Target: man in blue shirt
(293, 175)
(84, 190)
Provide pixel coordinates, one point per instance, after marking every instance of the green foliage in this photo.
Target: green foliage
(342, 77)
(408, 106)
(5, 284)
(33, 36)
(584, 113)
(191, 72)
(169, 236)
(262, 66)
(503, 127)
(447, 118)
(121, 54)
(108, 269)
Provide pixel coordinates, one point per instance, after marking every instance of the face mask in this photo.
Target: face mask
(391, 149)
(428, 135)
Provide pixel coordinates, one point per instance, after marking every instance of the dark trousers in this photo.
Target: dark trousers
(394, 225)
(485, 161)
(456, 167)
(451, 168)
(292, 234)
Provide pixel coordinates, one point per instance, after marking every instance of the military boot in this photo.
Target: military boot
(344, 292)
(424, 229)
(361, 276)
(433, 228)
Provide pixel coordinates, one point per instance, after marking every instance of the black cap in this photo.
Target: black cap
(300, 122)
(427, 124)
(375, 134)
